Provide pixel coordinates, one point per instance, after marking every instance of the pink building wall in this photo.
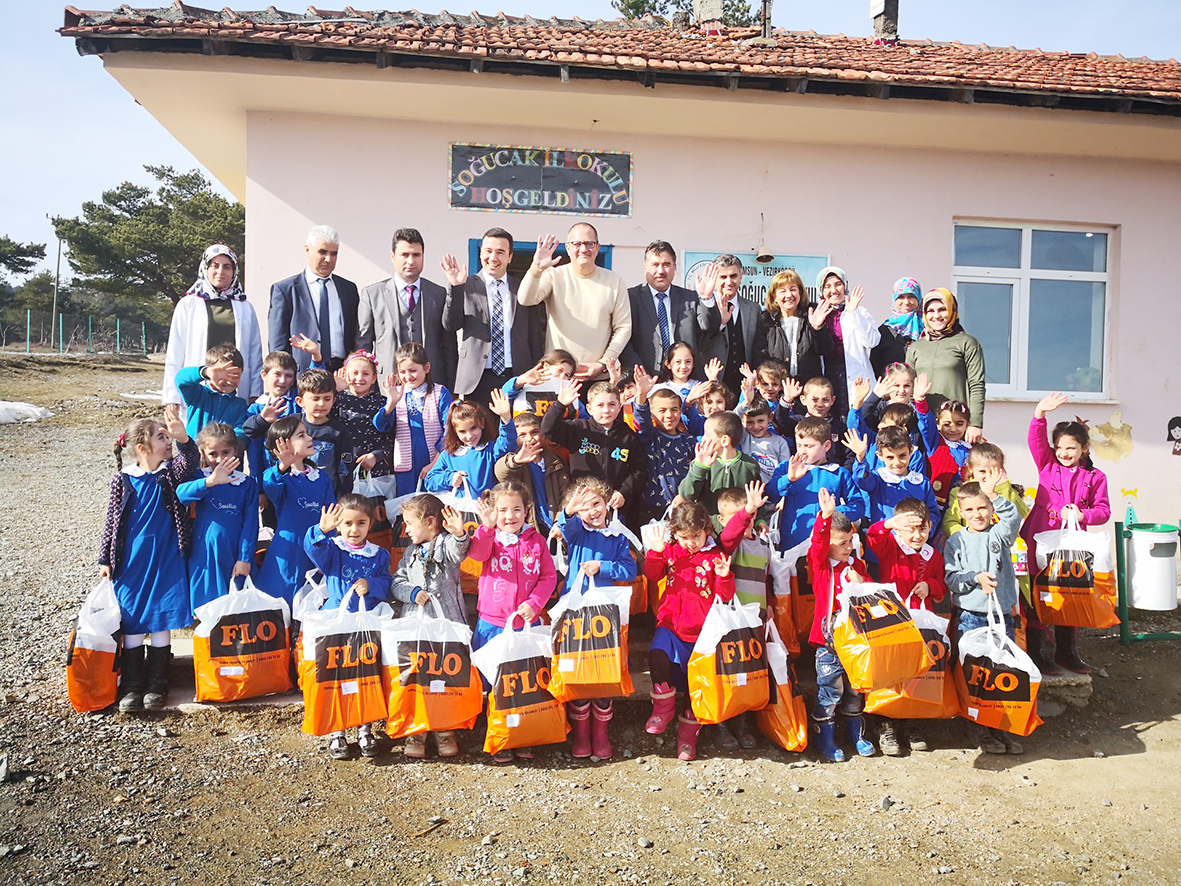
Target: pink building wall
(879, 213)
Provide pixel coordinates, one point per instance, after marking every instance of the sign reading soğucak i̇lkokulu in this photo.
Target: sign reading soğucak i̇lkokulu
(508, 178)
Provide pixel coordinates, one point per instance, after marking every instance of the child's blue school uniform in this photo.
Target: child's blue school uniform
(800, 504)
(343, 565)
(477, 461)
(298, 498)
(609, 546)
(258, 457)
(204, 405)
(225, 531)
(420, 455)
(856, 422)
(669, 455)
(886, 489)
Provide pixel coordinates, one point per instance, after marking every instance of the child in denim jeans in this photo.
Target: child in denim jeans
(978, 566)
(832, 566)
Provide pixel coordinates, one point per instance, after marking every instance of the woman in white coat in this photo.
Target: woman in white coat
(854, 331)
(214, 311)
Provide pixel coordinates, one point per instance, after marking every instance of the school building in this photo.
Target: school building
(1041, 187)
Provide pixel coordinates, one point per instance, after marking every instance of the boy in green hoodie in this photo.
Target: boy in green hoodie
(718, 463)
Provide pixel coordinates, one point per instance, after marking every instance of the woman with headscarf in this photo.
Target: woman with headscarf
(853, 331)
(901, 329)
(214, 311)
(791, 330)
(952, 360)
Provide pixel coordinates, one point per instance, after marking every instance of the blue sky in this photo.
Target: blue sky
(78, 133)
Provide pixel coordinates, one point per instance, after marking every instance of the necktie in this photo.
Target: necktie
(325, 322)
(410, 302)
(496, 308)
(662, 320)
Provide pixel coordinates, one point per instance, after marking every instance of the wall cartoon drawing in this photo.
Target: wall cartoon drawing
(1174, 436)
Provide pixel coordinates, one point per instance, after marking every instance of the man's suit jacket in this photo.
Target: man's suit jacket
(691, 320)
(717, 344)
(379, 327)
(466, 312)
(292, 313)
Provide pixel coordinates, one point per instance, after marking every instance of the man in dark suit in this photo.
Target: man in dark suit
(316, 303)
(498, 338)
(407, 308)
(663, 313)
(734, 342)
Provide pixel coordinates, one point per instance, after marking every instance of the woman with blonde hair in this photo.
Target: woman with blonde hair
(791, 329)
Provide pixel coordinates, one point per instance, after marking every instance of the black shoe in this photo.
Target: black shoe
(159, 659)
(723, 737)
(131, 680)
(1038, 642)
(1067, 654)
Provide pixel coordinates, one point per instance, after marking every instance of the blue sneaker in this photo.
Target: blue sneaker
(853, 732)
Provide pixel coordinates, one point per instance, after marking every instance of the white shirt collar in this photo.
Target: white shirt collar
(237, 478)
(311, 279)
(489, 280)
(136, 471)
(656, 293)
(311, 473)
(369, 549)
(508, 539)
(926, 551)
(401, 285)
(894, 480)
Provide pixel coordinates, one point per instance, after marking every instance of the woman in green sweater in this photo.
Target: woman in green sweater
(952, 359)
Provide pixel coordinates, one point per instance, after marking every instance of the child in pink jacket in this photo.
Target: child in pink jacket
(1067, 480)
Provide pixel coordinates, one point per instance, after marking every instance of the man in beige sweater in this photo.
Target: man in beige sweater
(588, 310)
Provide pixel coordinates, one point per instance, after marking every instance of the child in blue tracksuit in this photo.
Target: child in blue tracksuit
(596, 550)
(278, 385)
(892, 480)
(340, 548)
(669, 434)
(210, 392)
(470, 451)
(415, 414)
(867, 421)
(298, 490)
(798, 482)
(225, 532)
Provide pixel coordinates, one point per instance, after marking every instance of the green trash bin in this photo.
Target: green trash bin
(1152, 566)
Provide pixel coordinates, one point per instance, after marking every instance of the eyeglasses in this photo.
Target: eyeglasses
(582, 244)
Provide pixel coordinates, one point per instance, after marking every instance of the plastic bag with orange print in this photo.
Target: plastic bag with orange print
(795, 601)
(430, 682)
(727, 669)
(522, 712)
(240, 645)
(342, 666)
(1075, 581)
(876, 639)
(996, 681)
(308, 600)
(92, 659)
(785, 718)
(932, 694)
(589, 635)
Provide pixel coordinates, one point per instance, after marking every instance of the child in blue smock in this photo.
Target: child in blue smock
(340, 548)
(415, 414)
(145, 541)
(470, 451)
(210, 392)
(225, 533)
(278, 386)
(298, 490)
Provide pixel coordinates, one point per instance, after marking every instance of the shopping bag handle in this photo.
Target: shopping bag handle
(438, 607)
(996, 622)
(310, 576)
(616, 524)
(1070, 521)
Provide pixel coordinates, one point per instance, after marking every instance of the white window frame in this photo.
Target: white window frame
(1020, 278)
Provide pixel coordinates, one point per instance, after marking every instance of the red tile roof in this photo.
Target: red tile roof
(651, 49)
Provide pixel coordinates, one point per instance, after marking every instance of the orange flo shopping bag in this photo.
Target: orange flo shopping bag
(521, 710)
(308, 600)
(790, 581)
(1075, 582)
(932, 694)
(589, 626)
(92, 659)
(996, 681)
(876, 639)
(727, 670)
(430, 682)
(785, 718)
(342, 666)
(240, 645)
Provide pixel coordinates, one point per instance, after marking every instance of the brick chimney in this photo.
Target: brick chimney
(885, 20)
(709, 16)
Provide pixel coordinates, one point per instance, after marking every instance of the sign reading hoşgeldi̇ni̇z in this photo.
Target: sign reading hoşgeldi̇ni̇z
(513, 178)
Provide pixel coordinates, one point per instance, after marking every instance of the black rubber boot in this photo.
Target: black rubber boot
(131, 680)
(1067, 654)
(1038, 641)
(158, 661)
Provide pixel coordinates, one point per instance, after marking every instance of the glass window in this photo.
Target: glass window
(1069, 251)
(1067, 352)
(982, 247)
(986, 310)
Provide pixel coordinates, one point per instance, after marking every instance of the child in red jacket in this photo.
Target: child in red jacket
(915, 568)
(696, 571)
(832, 565)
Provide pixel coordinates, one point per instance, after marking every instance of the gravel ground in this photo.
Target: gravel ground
(238, 795)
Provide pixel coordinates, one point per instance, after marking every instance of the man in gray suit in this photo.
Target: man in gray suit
(499, 339)
(734, 342)
(404, 308)
(663, 313)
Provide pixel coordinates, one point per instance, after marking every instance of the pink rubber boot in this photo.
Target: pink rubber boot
(687, 729)
(600, 741)
(664, 709)
(580, 728)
